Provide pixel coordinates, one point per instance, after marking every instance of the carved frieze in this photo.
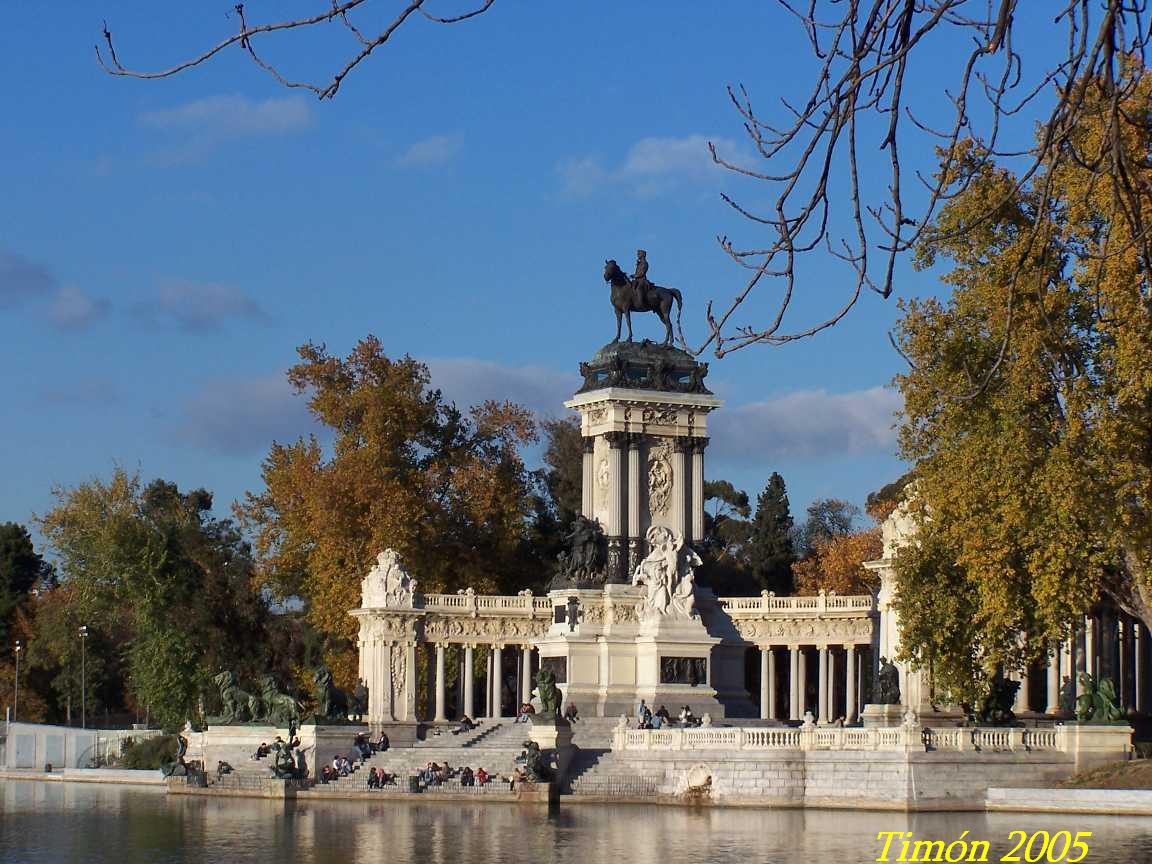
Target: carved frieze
(444, 628)
(805, 630)
(665, 416)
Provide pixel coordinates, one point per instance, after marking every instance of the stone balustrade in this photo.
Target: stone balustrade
(1058, 739)
(816, 604)
(468, 601)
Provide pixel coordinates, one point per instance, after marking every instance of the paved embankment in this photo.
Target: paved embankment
(1118, 802)
(88, 775)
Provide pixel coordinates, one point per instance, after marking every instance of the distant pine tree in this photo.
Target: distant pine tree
(770, 550)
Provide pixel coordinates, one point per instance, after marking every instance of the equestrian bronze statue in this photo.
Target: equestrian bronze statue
(639, 295)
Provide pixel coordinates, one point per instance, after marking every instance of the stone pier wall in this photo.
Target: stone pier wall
(876, 780)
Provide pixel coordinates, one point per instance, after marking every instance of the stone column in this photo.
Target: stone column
(526, 673)
(680, 523)
(1128, 661)
(616, 527)
(497, 674)
(698, 447)
(588, 480)
(1053, 706)
(803, 682)
(822, 688)
(635, 536)
(771, 683)
(488, 685)
(410, 682)
(1021, 703)
(469, 681)
(1091, 655)
(765, 663)
(1140, 643)
(616, 442)
(793, 682)
(850, 698)
(440, 683)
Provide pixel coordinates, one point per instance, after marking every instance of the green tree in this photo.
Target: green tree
(21, 570)
(156, 578)
(770, 549)
(828, 518)
(564, 466)
(1027, 409)
(724, 548)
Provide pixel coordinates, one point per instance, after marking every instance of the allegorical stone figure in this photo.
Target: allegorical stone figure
(668, 575)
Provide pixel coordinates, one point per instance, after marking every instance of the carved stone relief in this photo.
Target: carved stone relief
(659, 477)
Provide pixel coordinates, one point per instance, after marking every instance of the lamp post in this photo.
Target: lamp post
(83, 676)
(16, 692)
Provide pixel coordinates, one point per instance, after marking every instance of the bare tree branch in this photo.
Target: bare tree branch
(332, 11)
(864, 52)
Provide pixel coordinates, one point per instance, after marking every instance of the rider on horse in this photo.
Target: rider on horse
(640, 283)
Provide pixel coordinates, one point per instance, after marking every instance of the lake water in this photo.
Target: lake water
(68, 822)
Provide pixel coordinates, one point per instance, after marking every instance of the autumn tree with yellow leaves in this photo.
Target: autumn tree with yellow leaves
(405, 470)
(1028, 404)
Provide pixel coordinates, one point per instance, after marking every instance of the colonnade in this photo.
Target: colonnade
(496, 677)
(1109, 644)
(787, 688)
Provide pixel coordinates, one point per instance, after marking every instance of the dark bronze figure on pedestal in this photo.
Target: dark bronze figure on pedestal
(640, 295)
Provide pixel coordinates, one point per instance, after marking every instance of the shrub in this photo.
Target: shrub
(151, 753)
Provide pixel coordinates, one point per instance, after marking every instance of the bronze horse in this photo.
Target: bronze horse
(656, 299)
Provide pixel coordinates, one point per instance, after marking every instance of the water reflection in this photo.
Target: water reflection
(56, 822)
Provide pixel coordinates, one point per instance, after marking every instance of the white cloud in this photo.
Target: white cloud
(199, 305)
(651, 166)
(807, 424)
(467, 381)
(430, 152)
(233, 116)
(72, 309)
(243, 416)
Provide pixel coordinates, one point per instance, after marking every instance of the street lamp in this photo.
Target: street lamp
(16, 694)
(83, 677)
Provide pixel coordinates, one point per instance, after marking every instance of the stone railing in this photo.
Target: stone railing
(469, 602)
(816, 604)
(914, 737)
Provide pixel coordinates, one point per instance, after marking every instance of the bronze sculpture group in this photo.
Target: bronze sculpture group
(273, 707)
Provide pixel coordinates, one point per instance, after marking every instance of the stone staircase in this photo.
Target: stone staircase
(493, 746)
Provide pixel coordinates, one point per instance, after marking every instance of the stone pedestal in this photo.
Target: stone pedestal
(882, 715)
(611, 660)
(554, 735)
(320, 744)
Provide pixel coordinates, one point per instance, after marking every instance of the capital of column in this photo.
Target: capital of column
(636, 440)
(682, 444)
(589, 443)
(616, 440)
(699, 444)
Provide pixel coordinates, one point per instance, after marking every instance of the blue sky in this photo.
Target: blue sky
(165, 245)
